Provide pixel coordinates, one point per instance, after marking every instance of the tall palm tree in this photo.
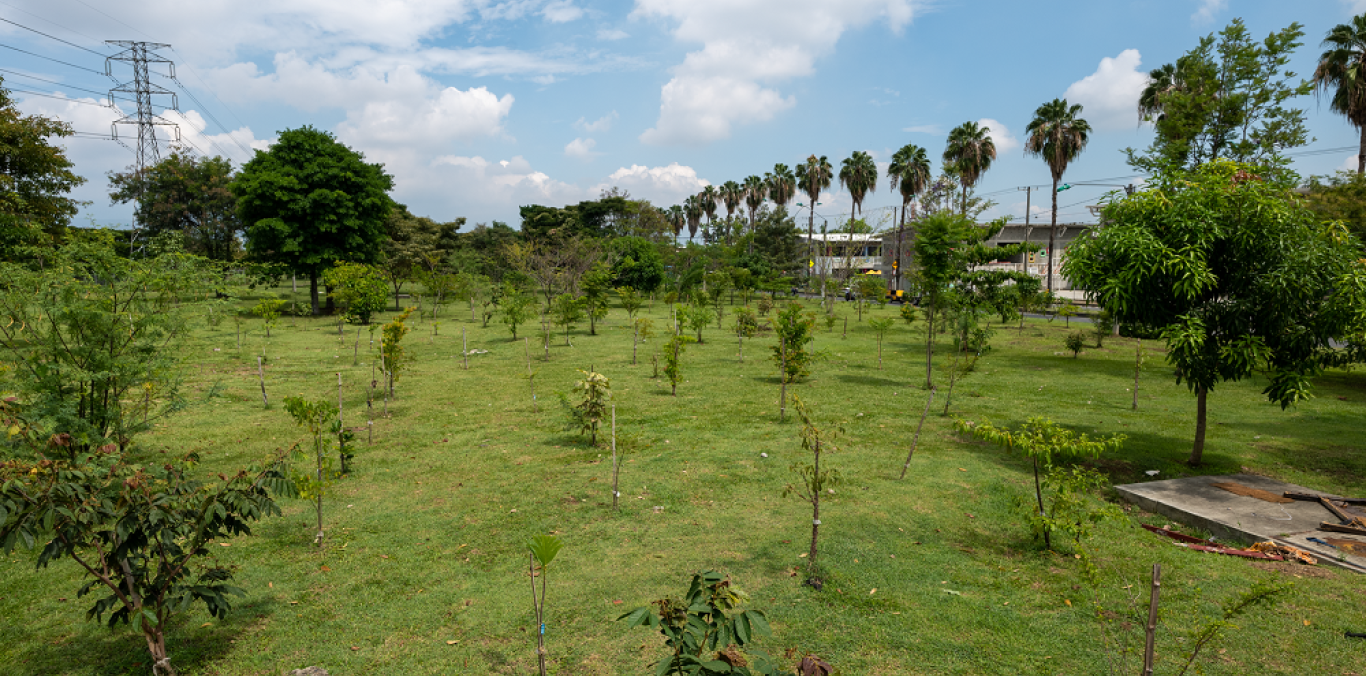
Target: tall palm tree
(692, 212)
(815, 175)
(1058, 135)
(782, 185)
(909, 173)
(756, 191)
(858, 175)
(732, 194)
(708, 198)
(970, 153)
(1342, 68)
(676, 219)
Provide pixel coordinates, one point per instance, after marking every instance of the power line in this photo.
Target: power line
(64, 63)
(59, 98)
(50, 21)
(97, 10)
(63, 84)
(65, 42)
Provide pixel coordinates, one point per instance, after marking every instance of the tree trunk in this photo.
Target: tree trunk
(1052, 234)
(929, 351)
(1038, 493)
(1361, 153)
(811, 242)
(815, 506)
(313, 290)
(156, 645)
(896, 257)
(915, 441)
(1201, 395)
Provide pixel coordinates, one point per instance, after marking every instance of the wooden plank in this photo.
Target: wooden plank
(1339, 528)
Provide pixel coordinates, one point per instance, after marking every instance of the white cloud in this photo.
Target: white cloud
(449, 115)
(599, 125)
(1109, 96)
(746, 49)
(932, 129)
(612, 34)
(661, 185)
(1208, 8)
(561, 11)
(1000, 135)
(581, 148)
(1350, 163)
(454, 185)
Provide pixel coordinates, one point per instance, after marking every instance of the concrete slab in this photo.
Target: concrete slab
(1194, 502)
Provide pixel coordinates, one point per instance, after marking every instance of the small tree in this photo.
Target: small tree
(391, 347)
(1076, 342)
(1067, 312)
(696, 317)
(566, 311)
(631, 300)
(870, 289)
(269, 312)
(813, 481)
(880, 326)
(672, 370)
(718, 283)
(795, 330)
(705, 621)
(597, 287)
(595, 391)
(358, 288)
(140, 532)
(316, 417)
(542, 550)
(641, 331)
(909, 314)
(516, 306)
(1043, 442)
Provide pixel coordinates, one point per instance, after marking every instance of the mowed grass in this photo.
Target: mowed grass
(935, 574)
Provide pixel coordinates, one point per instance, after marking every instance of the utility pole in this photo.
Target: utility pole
(140, 54)
(1029, 192)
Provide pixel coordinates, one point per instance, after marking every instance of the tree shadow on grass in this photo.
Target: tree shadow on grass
(870, 380)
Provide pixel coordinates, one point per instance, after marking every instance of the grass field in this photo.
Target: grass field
(936, 574)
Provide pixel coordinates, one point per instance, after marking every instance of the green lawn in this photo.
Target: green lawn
(426, 537)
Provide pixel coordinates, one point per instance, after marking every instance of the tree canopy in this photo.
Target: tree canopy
(35, 178)
(188, 195)
(310, 201)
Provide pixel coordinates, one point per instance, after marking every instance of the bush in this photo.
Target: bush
(360, 289)
(795, 332)
(1076, 342)
(1103, 326)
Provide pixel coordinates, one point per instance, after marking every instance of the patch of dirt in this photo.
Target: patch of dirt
(1295, 569)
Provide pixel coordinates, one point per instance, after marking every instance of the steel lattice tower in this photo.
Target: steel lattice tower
(140, 54)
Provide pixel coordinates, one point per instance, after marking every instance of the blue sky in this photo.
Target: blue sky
(479, 106)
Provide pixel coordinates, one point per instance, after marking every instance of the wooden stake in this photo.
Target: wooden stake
(916, 440)
(341, 424)
(635, 342)
(261, 372)
(464, 338)
(615, 467)
(782, 377)
(1151, 638)
(1138, 366)
(355, 351)
(741, 336)
(530, 376)
(846, 328)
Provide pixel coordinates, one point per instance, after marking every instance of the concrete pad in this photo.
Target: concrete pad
(1194, 502)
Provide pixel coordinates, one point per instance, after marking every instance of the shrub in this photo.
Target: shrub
(795, 333)
(595, 391)
(360, 289)
(1076, 342)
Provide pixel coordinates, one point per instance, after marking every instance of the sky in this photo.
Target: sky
(477, 107)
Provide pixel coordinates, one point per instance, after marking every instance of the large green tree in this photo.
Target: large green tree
(35, 179)
(782, 185)
(1240, 275)
(732, 194)
(909, 175)
(1229, 98)
(184, 194)
(858, 175)
(1058, 135)
(415, 244)
(1342, 69)
(969, 154)
(310, 201)
(813, 176)
(756, 191)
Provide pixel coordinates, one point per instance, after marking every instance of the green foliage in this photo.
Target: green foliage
(673, 351)
(515, 306)
(87, 329)
(269, 312)
(1102, 326)
(188, 196)
(870, 289)
(696, 317)
(880, 326)
(595, 398)
(909, 314)
(1229, 98)
(1237, 271)
(413, 246)
(812, 481)
(543, 549)
(1067, 312)
(141, 534)
(705, 621)
(631, 300)
(310, 201)
(1076, 342)
(359, 289)
(764, 306)
(636, 264)
(1340, 197)
(1262, 593)
(1069, 506)
(391, 352)
(317, 418)
(566, 310)
(796, 330)
(746, 322)
(34, 207)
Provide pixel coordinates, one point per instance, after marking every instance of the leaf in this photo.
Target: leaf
(639, 616)
(544, 548)
(758, 622)
(742, 628)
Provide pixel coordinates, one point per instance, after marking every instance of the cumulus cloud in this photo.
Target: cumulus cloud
(661, 185)
(1350, 163)
(1000, 135)
(747, 48)
(599, 125)
(581, 148)
(561, 11)
(1207, 9)
(612, 34)
(932, 129)
(1109, 96)
(450, 115)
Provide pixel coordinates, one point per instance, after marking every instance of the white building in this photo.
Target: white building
(841, 254)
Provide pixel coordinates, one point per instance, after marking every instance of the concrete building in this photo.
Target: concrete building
(840, 254)
(1013, 233)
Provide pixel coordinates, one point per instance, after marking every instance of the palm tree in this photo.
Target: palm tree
(708, 202)
(692, 212)
(782, 185)
(732, 194)
(909, 173)
(858, 175)
(676, 219)
(1342, 68)
(756, 191)
(815, 176)
(1058, 135)
(970, 153)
